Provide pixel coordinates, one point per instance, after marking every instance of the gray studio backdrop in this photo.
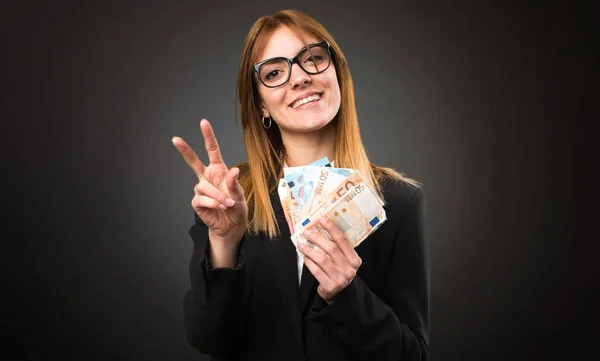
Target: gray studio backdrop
(459, 97)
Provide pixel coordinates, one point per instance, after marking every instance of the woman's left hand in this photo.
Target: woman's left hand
(335, 270)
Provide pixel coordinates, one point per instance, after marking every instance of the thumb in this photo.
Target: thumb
(235, 189)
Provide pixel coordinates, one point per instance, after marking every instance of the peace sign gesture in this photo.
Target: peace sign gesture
(219, 198)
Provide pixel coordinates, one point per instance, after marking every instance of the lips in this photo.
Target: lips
(306, 98)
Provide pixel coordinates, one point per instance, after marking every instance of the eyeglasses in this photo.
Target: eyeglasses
(313, 59)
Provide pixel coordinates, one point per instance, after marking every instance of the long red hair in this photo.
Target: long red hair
(264, 148)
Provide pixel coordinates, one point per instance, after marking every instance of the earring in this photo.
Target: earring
(265, 125)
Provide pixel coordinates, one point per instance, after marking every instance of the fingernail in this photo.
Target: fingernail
(230, 202)
(322, 219)
(222, 207)
(300, 246)
(309, 232)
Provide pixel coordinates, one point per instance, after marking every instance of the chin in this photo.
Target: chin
(315, 124)
(307, 123)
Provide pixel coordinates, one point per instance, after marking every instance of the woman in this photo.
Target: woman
(365, 303)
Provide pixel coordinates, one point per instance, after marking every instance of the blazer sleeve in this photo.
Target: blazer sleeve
(213, 308)
(393, 326)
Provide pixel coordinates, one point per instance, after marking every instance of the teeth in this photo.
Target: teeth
(306, 100)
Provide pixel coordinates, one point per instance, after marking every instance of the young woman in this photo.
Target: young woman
(249, 300)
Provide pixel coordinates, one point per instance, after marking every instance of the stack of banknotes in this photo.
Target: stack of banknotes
(340, 194)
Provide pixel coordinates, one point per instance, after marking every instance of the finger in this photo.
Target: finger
(316, 270)
(320, 259)
(328, 286)
(341, 241)
(207, 189)
(191, 158)
(200, 202)
(235, 189)
(341, 270)
(328, 246)
(210, 141)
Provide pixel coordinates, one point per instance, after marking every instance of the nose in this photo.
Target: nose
(298, 77)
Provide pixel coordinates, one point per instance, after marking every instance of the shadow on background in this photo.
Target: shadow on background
(483, 103)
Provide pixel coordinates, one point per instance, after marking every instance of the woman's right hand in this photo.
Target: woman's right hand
(219, 198)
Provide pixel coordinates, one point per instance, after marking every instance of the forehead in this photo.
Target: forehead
(285, 42)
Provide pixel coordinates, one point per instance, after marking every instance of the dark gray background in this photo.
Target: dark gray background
(482, 102)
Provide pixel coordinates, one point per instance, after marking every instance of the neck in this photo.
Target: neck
(305, 148)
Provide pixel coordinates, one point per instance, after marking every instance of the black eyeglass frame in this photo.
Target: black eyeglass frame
(292, 61)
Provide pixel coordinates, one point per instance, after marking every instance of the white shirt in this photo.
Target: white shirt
(300, 259)
(299, 256)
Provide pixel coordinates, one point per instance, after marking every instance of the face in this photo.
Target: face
(307, 102)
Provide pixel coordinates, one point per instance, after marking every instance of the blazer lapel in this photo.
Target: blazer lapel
(282, 258)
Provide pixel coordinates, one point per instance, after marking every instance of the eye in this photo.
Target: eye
(315, 58)
(273, 70)
(272, 74)
(315, 55)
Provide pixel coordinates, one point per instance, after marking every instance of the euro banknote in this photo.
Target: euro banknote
(340, 194)
(354, 208)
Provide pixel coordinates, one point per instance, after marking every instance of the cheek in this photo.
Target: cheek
(274, 100)
(335, 92)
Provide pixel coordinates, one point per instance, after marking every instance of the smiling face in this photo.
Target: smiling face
(307, 102)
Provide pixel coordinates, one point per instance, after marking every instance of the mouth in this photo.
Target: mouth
(306, 100)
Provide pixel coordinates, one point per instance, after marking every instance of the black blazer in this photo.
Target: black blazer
(257, 310)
